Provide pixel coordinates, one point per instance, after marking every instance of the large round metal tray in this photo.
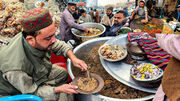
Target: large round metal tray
(78, 33)
(121, 70)
(87, 46)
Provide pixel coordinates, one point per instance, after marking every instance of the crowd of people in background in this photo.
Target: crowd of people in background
(110, 19)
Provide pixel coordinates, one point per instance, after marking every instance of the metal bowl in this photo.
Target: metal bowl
(111, 60)
(79, 33)
(118, 33)
(148, 83)
(135, 51)
(126, 28)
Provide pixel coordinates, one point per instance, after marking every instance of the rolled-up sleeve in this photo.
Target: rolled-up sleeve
(24, 83)
(60, 47)
(170, 43)
(136, 9)
(145, 9)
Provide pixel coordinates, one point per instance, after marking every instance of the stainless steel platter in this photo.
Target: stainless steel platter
(87, 46)
(120, 70)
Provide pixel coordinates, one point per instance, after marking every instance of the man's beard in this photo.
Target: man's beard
(116, 23)
(39, 47)
(110, 15)
(71, 11)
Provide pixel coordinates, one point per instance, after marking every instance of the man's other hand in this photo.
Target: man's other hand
(66, 88)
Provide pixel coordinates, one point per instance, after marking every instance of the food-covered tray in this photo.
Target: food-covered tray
(152, 26)
(120, 70)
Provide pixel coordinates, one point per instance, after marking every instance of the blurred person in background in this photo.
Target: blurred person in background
(101, 14)
(107, 19)
(150, 4)
(68, 22)
(76, 14)
(126, 10)
(91, 13)
(140, 12)
(84, 16)
(96, 16)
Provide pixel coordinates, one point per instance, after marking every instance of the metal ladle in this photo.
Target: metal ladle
(88, 74)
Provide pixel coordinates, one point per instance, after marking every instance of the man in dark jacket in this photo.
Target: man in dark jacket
(119, 21)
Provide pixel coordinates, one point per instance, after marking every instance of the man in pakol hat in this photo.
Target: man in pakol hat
(170, 88)
(140, 11)
(68, 22)
(25, 67)
(107, 19)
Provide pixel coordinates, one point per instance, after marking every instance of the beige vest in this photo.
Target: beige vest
(171, 80)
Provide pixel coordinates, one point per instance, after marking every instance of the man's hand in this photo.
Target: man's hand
(131, 17)
(66, 88)
(80, 64)
(77, 62)
(146, 19)
(86, 30)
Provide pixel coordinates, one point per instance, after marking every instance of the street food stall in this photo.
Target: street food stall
(121, 73)
(126, 76)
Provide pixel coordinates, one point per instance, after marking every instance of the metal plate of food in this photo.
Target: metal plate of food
(88, 85)
(120, 70)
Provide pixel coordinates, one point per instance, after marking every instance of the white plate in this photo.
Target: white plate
(111, 60)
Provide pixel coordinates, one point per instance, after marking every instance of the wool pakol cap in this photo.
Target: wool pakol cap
(36, 19)
(71, 3)
(142, 1)
(110, 8)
